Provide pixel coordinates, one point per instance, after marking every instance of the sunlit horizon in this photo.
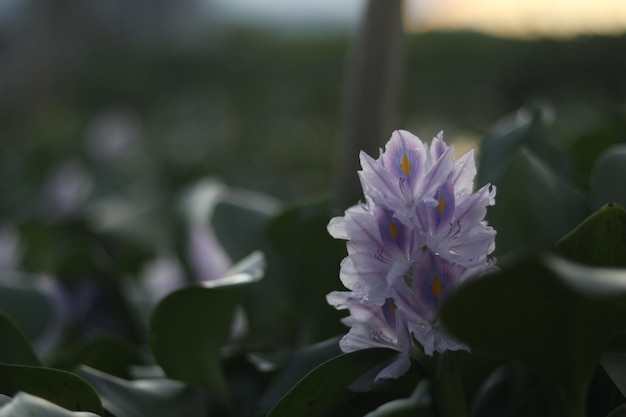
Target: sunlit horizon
(518, 18)
(511, 18)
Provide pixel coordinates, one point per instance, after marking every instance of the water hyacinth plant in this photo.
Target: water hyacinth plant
(419, 234)
(160, 254)
(435, 328)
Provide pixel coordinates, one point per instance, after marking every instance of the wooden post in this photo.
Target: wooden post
(371, 94)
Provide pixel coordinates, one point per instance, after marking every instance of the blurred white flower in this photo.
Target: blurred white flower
(161, 276)
(67, 190)
(207, 257)
(9, 248)
(112, 133)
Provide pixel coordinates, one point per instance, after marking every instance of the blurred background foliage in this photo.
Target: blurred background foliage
(81, 95)
(149, 145)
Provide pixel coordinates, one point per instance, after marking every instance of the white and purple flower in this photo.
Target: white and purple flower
(418, 235)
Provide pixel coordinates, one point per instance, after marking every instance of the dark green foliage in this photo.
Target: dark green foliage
(546, 331)
(31, 310)
(155, 396)
(187, 330)
(62, 388)
(599, 240)
(15, 348)
(324, 388)
(312, 255)
(608, 172)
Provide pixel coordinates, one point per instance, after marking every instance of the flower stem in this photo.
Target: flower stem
(448, 388)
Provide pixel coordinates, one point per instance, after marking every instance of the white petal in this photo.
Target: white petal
(337, 228)
(397, 368)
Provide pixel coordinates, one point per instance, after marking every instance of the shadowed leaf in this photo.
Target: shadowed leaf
(60, 387)
(553, 315)
(599, 240)
(326, 386)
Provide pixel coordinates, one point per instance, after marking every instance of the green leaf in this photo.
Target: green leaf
(599, 240)
(516, 390)
(313, 256)
(614, 363)
(60, 387)
(31, 309)
(586, 148)
(618, 412)
(498, 148)
(548, 313)
(326, 386)
(301, 362)
(240, 222)
(607, 177)
(108, 354)
(14, 347)
(534, 208)
(417, 405)
(239, 219)
(147, 397)
(29, 405)
(187, 330)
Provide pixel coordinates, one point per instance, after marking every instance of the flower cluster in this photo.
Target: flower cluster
(417, 236)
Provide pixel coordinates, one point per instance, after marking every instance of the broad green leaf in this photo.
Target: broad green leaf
(326, 386)
(30, 309)
(517, 391)
(553, 315)
(29, 405)
(239, 220)
(313, 256)
(599, 240)
(147, 397)
(498, 148)
(60, 387)
(618, 412)
(108, 354)
(301, 362)
(607, 178)
(534, 208)
(14, 347)
(187, 330)
(417, 405)
(586, 149)
(614, 363)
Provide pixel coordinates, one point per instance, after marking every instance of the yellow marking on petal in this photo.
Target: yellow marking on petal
(442, 204)
(406, 165)
(392, 307)
(436, 286)
(393, 230)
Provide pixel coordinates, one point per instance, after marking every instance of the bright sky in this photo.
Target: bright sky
(518, 17)
(503, 17)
